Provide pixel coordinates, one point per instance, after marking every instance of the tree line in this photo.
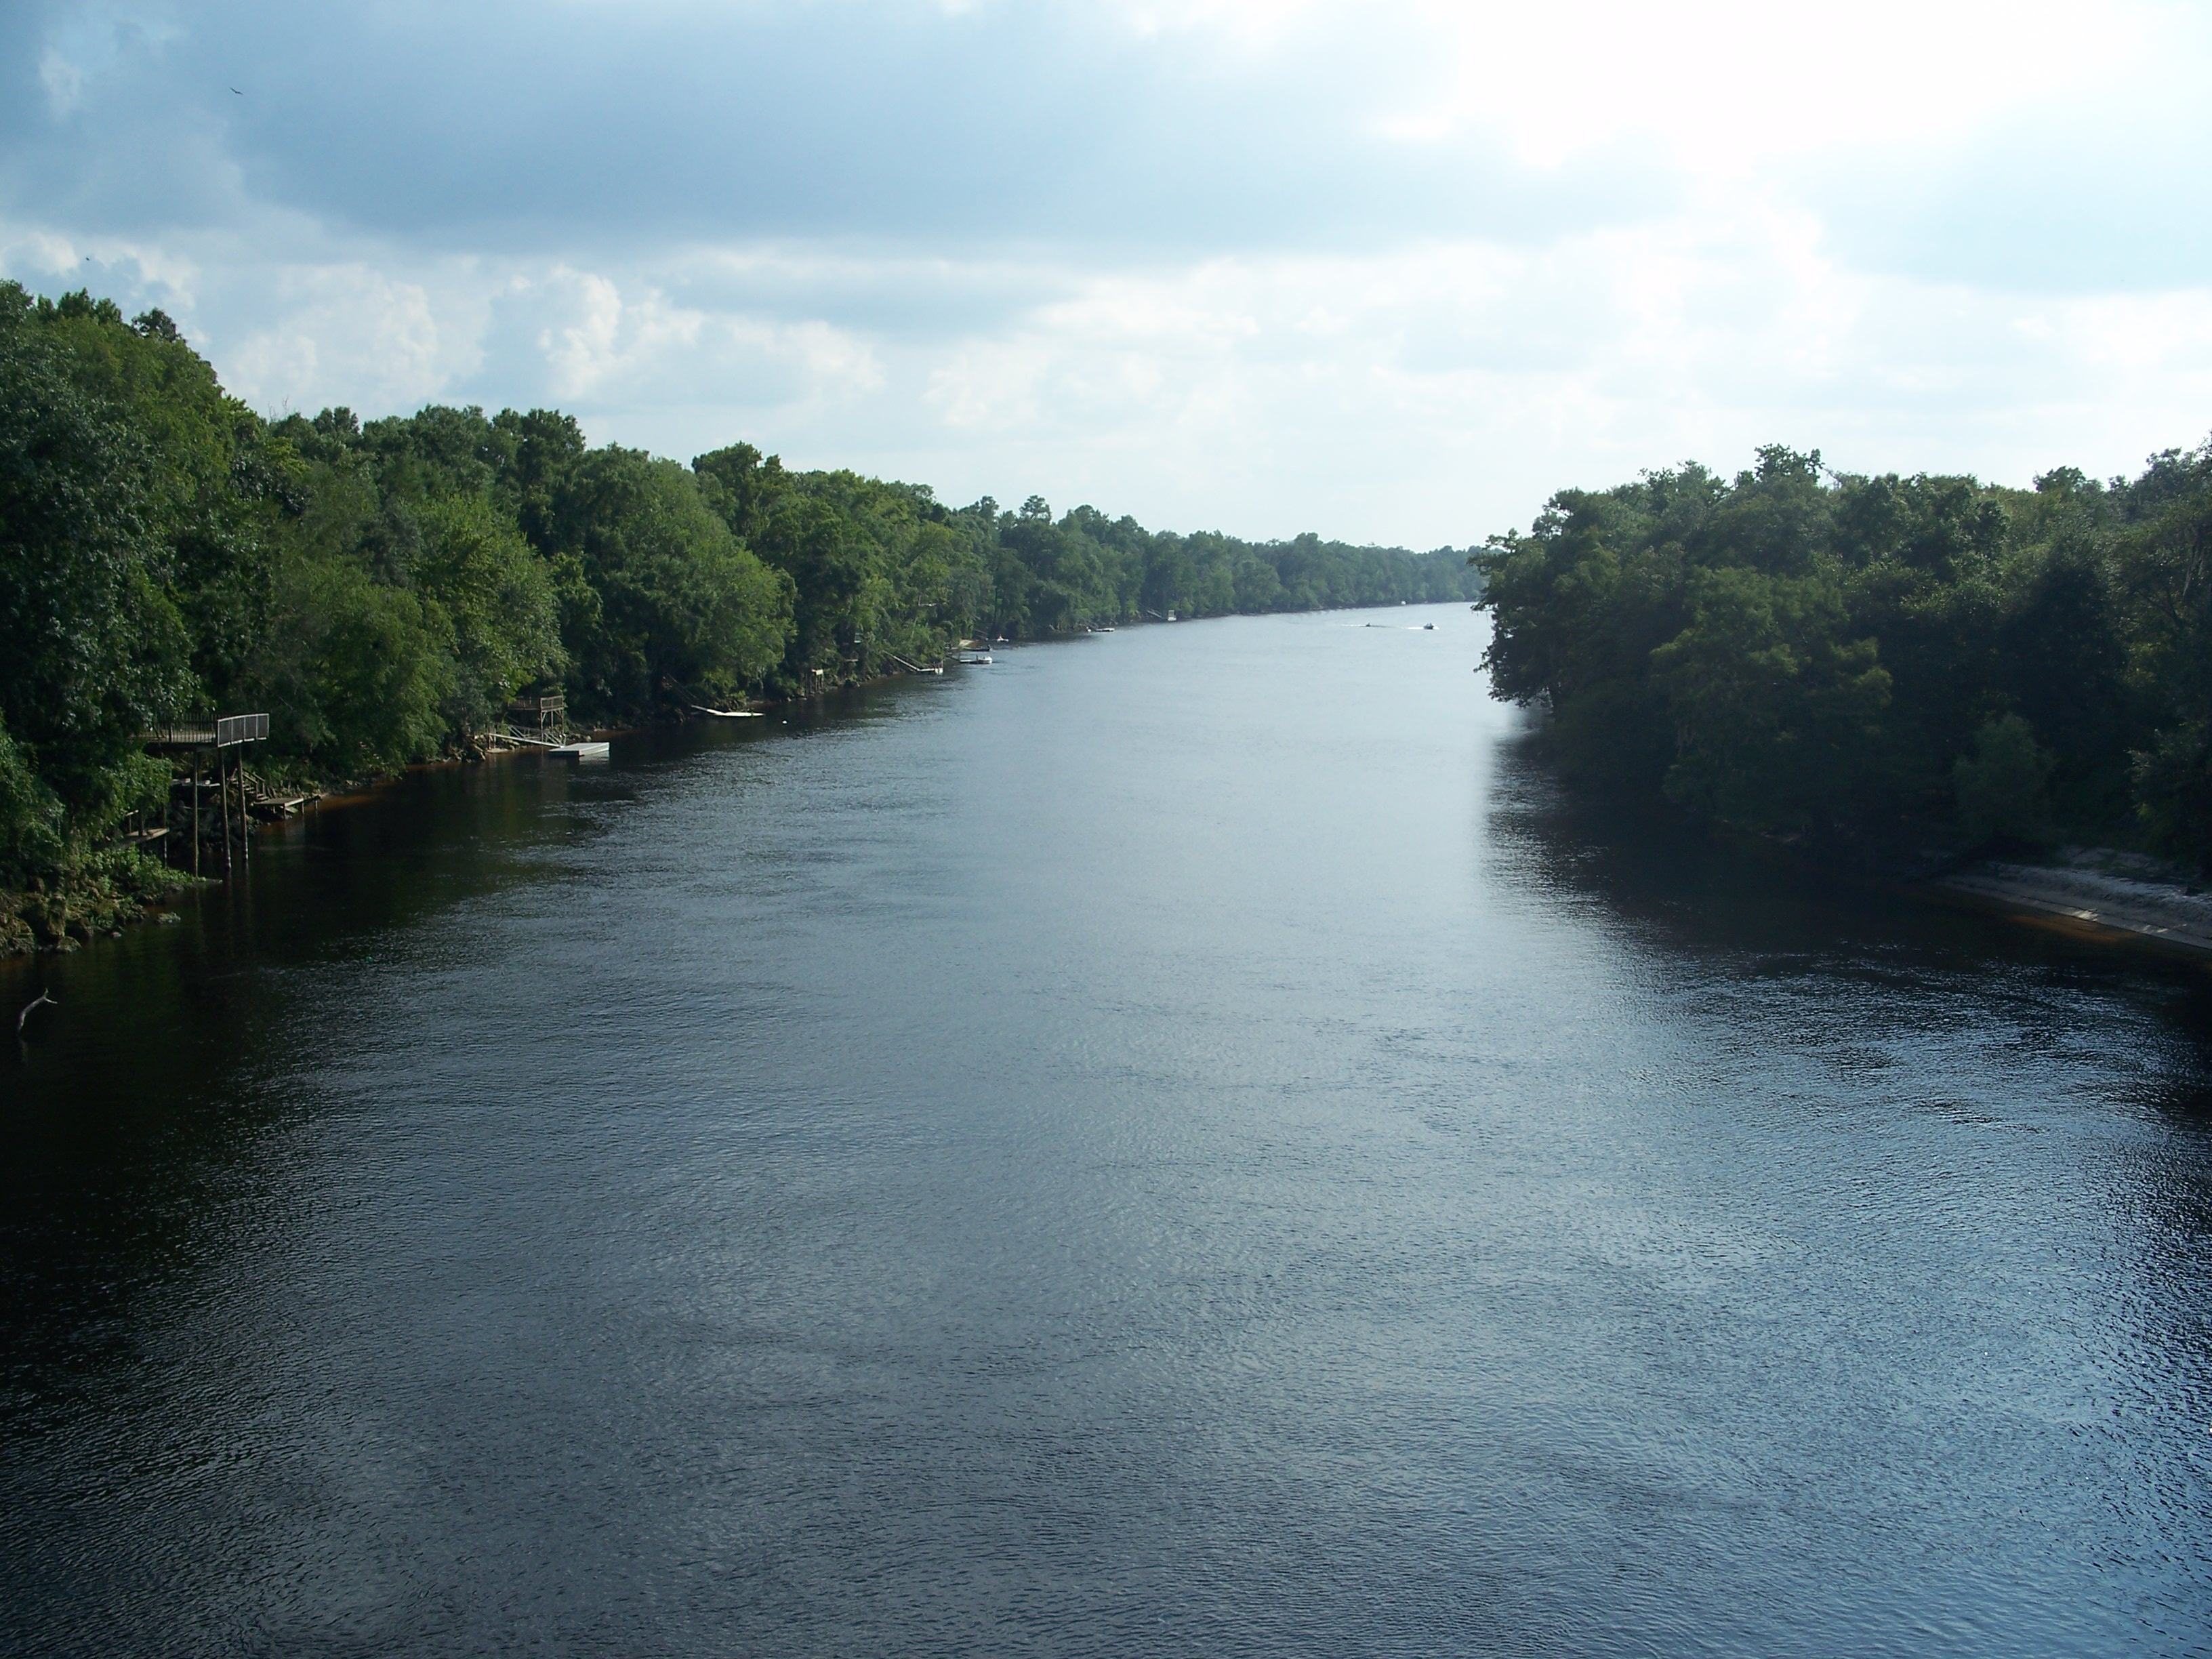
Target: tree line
(384, 588)
(1881, 661)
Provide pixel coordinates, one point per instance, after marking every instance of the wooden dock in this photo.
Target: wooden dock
(223, 739)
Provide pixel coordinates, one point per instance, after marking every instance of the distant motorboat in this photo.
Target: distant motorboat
(975, 659)
(728, 714)
(588, 750)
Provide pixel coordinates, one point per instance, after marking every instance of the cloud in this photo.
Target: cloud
(582, 339)
(1726, 87)
(63, 79)
(1394, 270)
(352, 326)
(887, 120)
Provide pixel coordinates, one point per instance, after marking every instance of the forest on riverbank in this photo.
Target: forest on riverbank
(383, 588)
(1878, 663)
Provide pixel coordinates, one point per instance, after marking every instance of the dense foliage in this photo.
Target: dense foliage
(384, 589)
(1878, 659)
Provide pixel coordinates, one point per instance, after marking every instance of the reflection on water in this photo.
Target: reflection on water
(1179, 1143)
(1729, 917)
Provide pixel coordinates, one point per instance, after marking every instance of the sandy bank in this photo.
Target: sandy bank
(2095, 891)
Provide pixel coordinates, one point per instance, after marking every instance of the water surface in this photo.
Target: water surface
(1176, 1142)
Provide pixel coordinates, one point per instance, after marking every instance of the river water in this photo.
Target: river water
(1180, 1142)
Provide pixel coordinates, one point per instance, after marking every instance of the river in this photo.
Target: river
(1180, 1142)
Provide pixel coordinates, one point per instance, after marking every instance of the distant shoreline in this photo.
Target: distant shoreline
(71, 910)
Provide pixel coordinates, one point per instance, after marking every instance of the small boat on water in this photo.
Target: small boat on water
(975, 659)
(727, 714)
(586, 749)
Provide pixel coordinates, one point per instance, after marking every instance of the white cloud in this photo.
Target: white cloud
(600, 346)
(1724, 85)
(63, 79)
(142, 273)
(352, 327)
(1426, 393)
(588, 347)
(1438, 393)
(1417, 359)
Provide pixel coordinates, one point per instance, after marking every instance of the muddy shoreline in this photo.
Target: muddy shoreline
(2093, 893)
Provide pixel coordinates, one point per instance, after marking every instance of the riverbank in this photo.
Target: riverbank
(105, 894)
(117, 886)
(2092, 892)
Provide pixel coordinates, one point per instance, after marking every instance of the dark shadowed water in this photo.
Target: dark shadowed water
(1178, 1143)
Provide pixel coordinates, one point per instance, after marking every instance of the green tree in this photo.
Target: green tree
(2163, 565)
(685, 610)
(496, 597)
(2004, 788)
(214, 480)
(32, 839)
(1777, 710)
(93, 649)
(354, 672)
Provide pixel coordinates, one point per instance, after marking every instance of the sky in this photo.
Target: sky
(1390, 271)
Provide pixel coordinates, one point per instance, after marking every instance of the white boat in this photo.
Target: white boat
(587, 750)
(728, 714)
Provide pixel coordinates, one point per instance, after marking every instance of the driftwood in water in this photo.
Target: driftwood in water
(45, 998)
